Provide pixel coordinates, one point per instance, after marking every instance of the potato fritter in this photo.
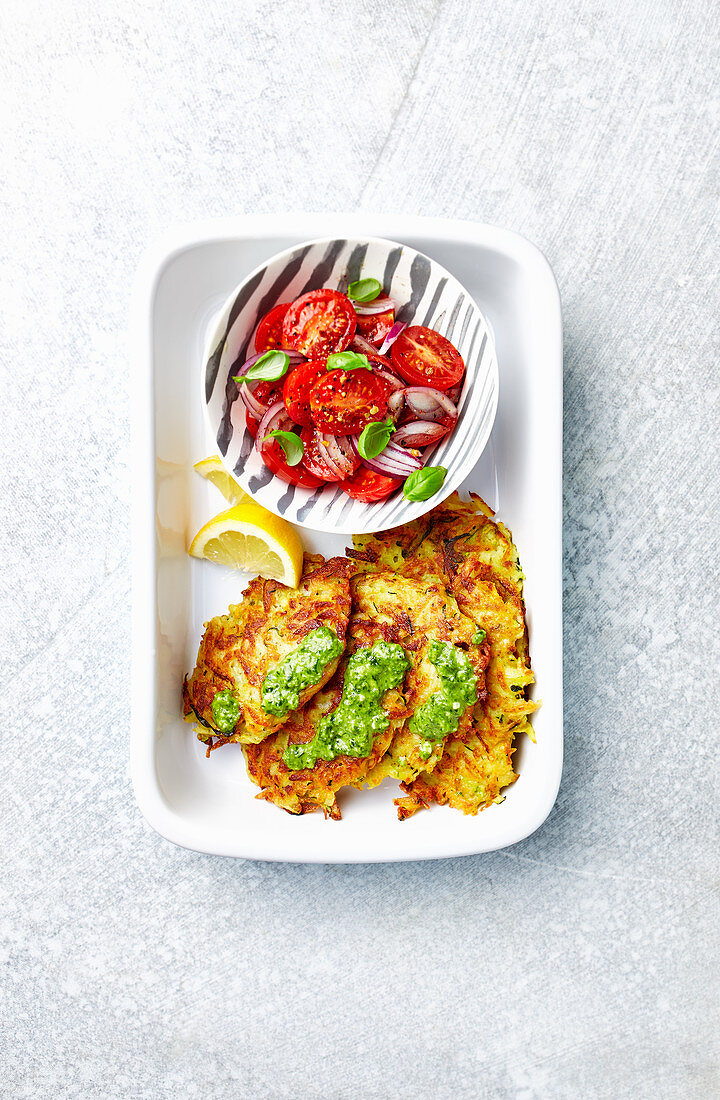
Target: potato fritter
(416, 614)
(431, 689)
(471, 774)
(460, 545)
(386, 609)
(240, 649)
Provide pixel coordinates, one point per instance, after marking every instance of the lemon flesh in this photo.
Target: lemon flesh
(212, 470)
(250, 538)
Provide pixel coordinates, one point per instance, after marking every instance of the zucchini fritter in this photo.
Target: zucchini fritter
(239, 649)
(416, 614)
(460, 545)
(431, 688)
(386, 609)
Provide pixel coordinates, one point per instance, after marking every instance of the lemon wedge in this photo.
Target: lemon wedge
(213, 470)
(250, 538)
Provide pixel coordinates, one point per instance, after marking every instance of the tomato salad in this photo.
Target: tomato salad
(339, 392)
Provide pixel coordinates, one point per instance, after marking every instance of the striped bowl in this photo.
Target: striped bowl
(425, 294)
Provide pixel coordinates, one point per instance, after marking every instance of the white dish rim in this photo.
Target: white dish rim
(160, 254)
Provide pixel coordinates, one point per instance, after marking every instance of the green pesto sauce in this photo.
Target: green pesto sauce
(441, 715)
(225, 711)
(351, 728)
(283, 686)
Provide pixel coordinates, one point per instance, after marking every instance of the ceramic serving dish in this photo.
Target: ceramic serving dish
(210, 805)
(425, 293)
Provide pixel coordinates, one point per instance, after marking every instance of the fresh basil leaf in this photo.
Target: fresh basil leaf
(291, 444)
(375, 437)
(347, 360)
(364, 290)
(268, 368)
(424, 483)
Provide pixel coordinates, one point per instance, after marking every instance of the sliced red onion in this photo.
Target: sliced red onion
(429, 404)
(396, 401)
(257, 408)
(338, 453)
(253, 406)
(392, 336)
(403, 455)
(454, 393)
(325, 456)
(393, 461)
(391, 379)
(381, 465)
(420, 433)
(275, 419)
(249, 363)
(359, 343)
(390, 464)
(378, 305)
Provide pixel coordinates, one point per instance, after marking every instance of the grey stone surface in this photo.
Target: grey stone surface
(580, 963)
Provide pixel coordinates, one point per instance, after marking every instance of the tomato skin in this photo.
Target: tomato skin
(425, 358)
(274, 458)
(297, 388)
(368, 486)
(319, 323)
(252, 424)
(376, 328)
(267, 393)
(344, 401)
(270, 330)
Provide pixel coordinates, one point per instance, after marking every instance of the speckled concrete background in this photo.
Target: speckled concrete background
(577, 964)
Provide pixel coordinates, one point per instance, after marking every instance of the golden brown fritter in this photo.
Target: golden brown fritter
(301, 792)
(471, 774)
(447, 584)
(386, 608)
(460, 545)
(415, 614)
(239, 649)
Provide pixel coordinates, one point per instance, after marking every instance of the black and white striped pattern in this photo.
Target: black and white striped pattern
(425, 294)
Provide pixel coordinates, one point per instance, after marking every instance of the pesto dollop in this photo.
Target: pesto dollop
(351, 728)
(225, 711)
(283, 686)
(441, 715)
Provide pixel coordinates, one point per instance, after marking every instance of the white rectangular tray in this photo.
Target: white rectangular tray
(209, 805)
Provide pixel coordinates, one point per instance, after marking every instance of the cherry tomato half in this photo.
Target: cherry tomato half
(297, 387)
(274, 458)
(344, 401)
(425, 358)
(267, 393)
(270, 331)
(319, 323)
(376, 328)
(368, 486)
(252, 424)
